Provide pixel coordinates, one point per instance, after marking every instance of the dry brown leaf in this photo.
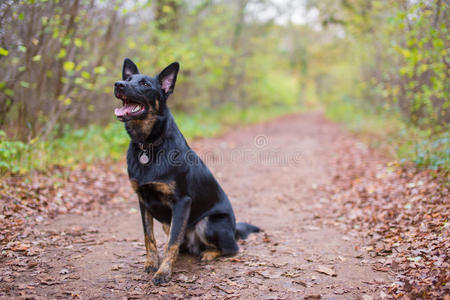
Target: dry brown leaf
(326, 270)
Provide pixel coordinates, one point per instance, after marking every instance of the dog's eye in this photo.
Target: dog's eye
(144, 83)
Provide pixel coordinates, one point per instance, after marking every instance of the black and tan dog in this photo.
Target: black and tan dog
(172, 183)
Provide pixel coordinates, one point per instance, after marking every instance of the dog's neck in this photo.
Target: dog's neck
(147, 131)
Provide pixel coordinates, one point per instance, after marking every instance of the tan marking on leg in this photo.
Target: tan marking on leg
(210, 255)
(166, 228)
(152, 258)
(165, 270)
(176, 236)
(171, 252)
(143, 203)
(134, 185)
(157, 104)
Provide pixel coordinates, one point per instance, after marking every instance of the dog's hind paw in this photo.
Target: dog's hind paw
(210, 255)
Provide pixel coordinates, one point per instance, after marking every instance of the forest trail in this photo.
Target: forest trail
(276, 175)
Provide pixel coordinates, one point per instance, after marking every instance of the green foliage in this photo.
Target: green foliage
(11, 153)
(431, 151)
(422, 62)
(388, 57)
(75, 146)
(94, 142)
(390, 132)
(387, 77)
(62, 70)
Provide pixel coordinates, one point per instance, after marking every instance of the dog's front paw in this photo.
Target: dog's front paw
(161, 277)
(151, 266)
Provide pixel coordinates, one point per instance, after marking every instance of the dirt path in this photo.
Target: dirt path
(274, 174)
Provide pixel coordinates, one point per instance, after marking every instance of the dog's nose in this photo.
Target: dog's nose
(119, 85)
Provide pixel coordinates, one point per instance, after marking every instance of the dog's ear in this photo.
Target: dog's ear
(168, 77)
(129, 68)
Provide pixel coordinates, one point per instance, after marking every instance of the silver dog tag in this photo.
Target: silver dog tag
(143, 158)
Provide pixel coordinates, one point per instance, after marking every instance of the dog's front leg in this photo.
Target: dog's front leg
(152, 258)
(180, 216)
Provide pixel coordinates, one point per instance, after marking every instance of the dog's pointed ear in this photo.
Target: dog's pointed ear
(168, 77)
(129, 68)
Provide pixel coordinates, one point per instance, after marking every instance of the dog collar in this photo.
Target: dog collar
(144, 155)
(146, 146)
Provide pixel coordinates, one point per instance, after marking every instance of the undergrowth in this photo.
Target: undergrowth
(390, 132)
(94, 142)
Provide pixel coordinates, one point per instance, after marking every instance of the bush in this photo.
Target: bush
(110, 142)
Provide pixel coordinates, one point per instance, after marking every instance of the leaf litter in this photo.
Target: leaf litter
(402, 212)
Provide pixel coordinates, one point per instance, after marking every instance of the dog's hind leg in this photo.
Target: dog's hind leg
(210, 254)
(166, 228)
(221, 233)
(180, 216)
(152, 258)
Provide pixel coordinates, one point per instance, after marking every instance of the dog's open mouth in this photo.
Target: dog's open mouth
(128, 108)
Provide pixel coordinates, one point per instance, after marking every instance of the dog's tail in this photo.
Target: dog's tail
(244, 229)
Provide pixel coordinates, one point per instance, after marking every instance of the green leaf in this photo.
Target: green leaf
(25, 84)
(9, 92)
(100, 70)
(78, 42)
(3, 51)
(85, 75)
(68, 66)
(36, 58)
(44, 20)
(62, 53)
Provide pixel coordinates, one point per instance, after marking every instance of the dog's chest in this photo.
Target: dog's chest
(157, 197)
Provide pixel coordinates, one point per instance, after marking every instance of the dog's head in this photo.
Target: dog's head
(143, 97)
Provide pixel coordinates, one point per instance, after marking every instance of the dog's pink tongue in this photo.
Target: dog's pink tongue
(122, 111)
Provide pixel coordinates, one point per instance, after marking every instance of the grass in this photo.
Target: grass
(95, 142)
(390, 132)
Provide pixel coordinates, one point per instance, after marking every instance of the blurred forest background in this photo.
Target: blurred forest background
(379, 66)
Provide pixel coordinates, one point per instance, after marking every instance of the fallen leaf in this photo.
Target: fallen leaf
(270, 275)
(47, 280)
(21, 247)
(116, 268)
(339, 291)
(291, 274)
(313, 297)
(326, 270)
(186, 279)
(227, 291)
(302, 283)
